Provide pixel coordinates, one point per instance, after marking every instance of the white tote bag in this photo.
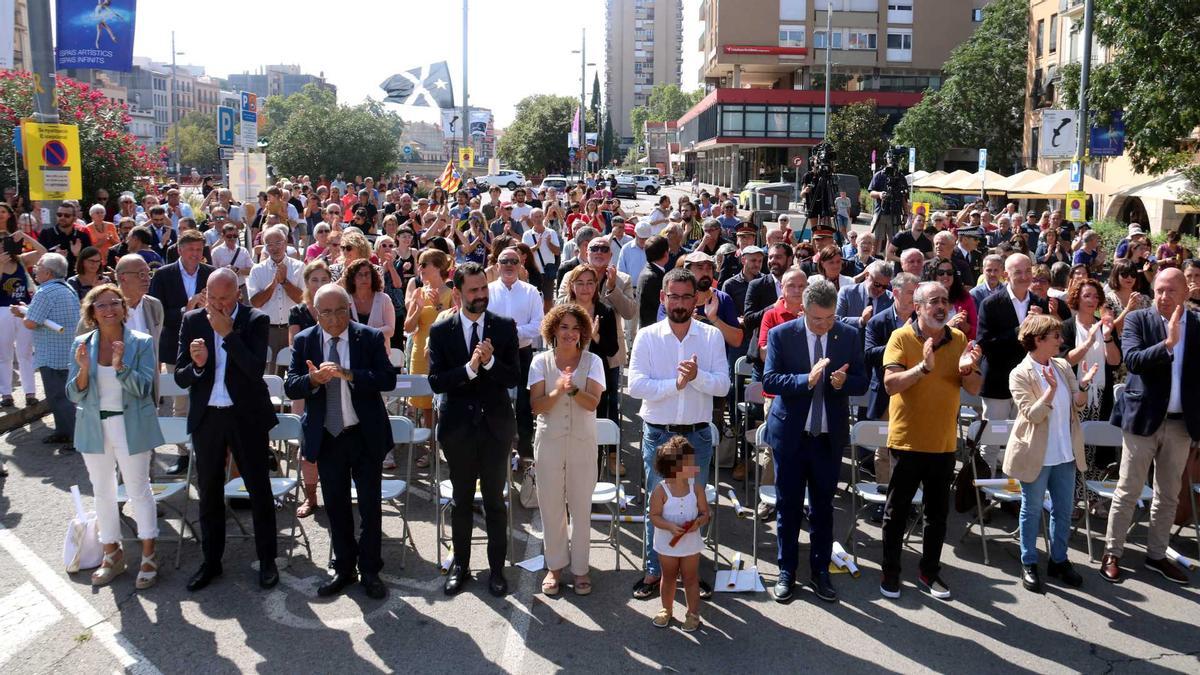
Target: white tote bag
(81, 546)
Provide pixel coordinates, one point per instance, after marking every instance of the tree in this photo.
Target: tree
(1153, 74)
(608, 142)
(855, 131)
(197, 141)
(666, 102)
(311, 134)
(536, 140)
(111, 157)
(594, 105)
(981, 103)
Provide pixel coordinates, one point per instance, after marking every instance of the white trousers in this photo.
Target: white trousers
(135, 470)
(15, 337)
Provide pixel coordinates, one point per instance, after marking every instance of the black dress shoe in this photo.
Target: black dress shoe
(497, 584)
(336, 585)
(268, 575)
(1030, 579)
(67, 450)
(56, 438)
(179, 468)
(706, 590)
(374, 587)
(204, 576)
(823, 586)
(783, 588)
(456, 579)
(1064, 571)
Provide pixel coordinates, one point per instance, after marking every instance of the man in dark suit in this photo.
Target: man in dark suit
(762, 294)
(1159, 414)
(473, 362)
(339, 368)
(649, 283)
(814, 365)
(180, 287)
(1000, 318)
(222, 349)
(165, 236)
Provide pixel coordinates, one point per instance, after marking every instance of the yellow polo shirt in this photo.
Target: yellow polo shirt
(924, 417)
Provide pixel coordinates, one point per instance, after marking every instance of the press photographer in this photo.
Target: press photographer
(889, 189)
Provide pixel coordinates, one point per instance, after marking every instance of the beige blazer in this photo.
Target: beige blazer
(1026, 451)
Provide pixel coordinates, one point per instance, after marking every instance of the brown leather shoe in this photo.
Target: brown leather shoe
(1110, 568)
(1168, 569)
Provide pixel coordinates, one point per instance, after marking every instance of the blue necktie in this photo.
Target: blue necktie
(818, 394)
(334, 423)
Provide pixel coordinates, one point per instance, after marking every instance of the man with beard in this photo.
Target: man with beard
(676, 368)
(713, 306)
(473, 362)
(762, 294)
(924, 365)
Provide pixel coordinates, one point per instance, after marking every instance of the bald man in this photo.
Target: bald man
(222, 349)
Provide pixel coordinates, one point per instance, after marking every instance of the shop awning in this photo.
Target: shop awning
(1057, 185)
(940, 184)
(1016, 181)
(972, 184)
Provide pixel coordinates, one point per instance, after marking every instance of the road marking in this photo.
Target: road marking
(129, 656)
(518, 626)
(24, 614)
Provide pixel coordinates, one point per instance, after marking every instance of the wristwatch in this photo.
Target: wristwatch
(925, 370)
(572, 391)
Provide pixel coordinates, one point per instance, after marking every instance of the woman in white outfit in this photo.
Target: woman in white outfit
(16, 288)
(111, 382)
(565, 383)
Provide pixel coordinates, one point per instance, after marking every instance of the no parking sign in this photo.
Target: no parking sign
(52, 160)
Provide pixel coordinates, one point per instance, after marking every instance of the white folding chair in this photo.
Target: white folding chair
(168, 387)
(284, 487)
(608, 494)
(275, 389)
(396, 356)
(983, 432)
(872, 435)
(763, 494)
(174, 431)
(713, 535)
(394, 491)
(1105, 435)
(747, 410)
(283, 360)
(743, 370)
(970, 409)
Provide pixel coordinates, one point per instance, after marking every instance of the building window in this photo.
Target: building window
(791, 36)
(860, 40)
(899, 45)
(1053, 33)
(819, 39)
(900, 12)
(976, 15)
(792, 10)
(1041, 37)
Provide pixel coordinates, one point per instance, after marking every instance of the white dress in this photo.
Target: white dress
(679, 510)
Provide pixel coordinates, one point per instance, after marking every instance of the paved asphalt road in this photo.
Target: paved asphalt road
(54, 622)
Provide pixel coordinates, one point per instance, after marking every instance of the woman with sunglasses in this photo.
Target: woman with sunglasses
(111, 382)
(963, 314)
(393, 282)
(1121, 295)
(15, 289)
(428, 298)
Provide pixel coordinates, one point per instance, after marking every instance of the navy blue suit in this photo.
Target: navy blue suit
(852, 300)
(879, 331)
(354, 456)
(804, 462)
(1142, 405)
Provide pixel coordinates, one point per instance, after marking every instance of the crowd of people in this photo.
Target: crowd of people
(531, 316)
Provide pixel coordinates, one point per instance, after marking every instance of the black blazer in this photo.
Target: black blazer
(245, 358)
(649, 286)
(468, 403)
(167, 286)
(1069, 330)
(997, 337)
(372, 373)
(163, 243)
(607, 346)
(878, 331)
(760, 295)
(1142, 406)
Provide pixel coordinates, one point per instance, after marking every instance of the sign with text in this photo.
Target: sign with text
(248, 175)
(466, 157)
(52, 160)
(249, 120)
(1076, 206)
(983, 159)
(95, 34)
(765, 49)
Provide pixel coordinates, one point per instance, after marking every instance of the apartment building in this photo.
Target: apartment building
(643, 47)
(763, 64)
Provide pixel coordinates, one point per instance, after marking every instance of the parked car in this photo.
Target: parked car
(506, 178)
(626, 187)
(646, 183)
(557, 182)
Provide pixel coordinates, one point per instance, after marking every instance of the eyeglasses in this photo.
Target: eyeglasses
(681, 298)
(106, 306)
(943, 273)
(347, 247)
(231, 236)
(509, 261)
(1128, 274)
(599, 249)
(142, 274)
(331, 313)
(65, 215)
(387, 246)
(878, 286)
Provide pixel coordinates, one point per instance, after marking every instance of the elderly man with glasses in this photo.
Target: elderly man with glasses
(520, 301)
(54, 306)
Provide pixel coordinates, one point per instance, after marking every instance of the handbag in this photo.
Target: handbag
(81, 546)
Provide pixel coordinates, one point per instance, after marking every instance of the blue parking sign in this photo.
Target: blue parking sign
(225, 120)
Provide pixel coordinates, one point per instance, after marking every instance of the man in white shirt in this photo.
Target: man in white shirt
(546, 245)
(520, 301)
(275, 285)
(678, 366)
(177, 209)
(521, 210)
(228, 253)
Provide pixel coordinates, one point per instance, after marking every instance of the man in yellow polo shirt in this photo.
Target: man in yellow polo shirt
(924, 366)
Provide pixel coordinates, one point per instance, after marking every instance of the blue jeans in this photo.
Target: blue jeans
(1060, 481)
(652, 438)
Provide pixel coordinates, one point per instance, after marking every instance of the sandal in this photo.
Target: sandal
(389, 463)
(307, 508)
(583, 586)
(644, 590)
(115, 566)
(550, 585)
(146, 579)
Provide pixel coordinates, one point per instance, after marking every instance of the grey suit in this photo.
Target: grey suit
(852, 300)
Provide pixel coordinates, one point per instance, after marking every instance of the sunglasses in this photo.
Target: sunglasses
(943, 273)
(598, 249)
(347, 248)
(1128, 274)
(509, 261)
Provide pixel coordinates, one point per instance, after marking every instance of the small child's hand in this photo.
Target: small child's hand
(677, 530)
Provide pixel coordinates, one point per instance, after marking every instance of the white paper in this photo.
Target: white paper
(738, 509)
(607, 518)
(1182, 560)
(745, 581)
(1002, 483)
(535, 564)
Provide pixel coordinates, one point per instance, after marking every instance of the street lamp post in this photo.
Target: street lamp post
(175, 109)
(583, 64)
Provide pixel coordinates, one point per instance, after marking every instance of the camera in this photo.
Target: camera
(896, 188)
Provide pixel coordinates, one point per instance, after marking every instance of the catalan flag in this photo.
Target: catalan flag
(451, 179)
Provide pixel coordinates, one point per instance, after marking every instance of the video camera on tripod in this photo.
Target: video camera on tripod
(822, 184)
(896, 189)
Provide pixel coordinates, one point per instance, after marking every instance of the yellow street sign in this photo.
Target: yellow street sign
(1076, 206)
(466, 157)
(921, 209)
(52, 160)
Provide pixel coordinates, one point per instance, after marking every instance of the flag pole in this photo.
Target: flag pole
(466, 116)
